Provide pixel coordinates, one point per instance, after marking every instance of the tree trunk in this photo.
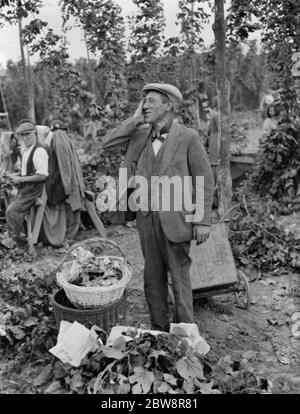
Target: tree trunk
(30, 109)
(4, 106)
(91, 70)
(224, 108)
(197, 122)
(22, 54)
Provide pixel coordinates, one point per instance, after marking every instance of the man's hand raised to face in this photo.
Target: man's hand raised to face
(138, 116)
(200, 233)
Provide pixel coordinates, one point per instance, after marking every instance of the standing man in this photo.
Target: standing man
(157, 145)
(34, 172)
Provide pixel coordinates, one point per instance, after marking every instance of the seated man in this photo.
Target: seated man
(34, 172)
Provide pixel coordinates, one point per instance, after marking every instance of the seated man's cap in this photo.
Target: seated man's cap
(25, 128)
(166, 89)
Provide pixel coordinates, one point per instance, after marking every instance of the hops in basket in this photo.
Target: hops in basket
(91, 280)
(98, 271)
(91, 271)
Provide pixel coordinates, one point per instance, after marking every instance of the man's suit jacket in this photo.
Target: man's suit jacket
(183, 155)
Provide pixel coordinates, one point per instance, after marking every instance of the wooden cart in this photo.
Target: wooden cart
(240, 166)
(213, 271)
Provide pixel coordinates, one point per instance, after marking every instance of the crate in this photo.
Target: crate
(213, 265)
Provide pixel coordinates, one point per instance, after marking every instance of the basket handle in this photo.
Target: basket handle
(87, 241)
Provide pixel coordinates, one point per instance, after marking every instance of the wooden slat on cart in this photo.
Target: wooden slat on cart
(212, 262)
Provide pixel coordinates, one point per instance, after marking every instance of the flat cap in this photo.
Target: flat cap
(166, 89)
(25, 128)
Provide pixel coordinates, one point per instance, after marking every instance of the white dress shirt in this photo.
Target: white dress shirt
(40, 160)
(157, 144)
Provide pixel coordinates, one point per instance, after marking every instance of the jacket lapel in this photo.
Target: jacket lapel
(135, 148)
(171, 146)
(142, 137)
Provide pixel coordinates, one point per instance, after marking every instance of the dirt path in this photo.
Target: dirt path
(261, 335)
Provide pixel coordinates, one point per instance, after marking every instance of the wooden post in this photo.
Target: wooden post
(223, 107)
(24, 66)
(91, 70)
(193, 57)
(197, 124)
(27, 76)
(296, 75)
(5, 107)
(90, 208)
(22, 53)
(31, 111)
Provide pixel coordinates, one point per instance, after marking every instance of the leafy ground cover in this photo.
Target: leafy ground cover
(252, 351)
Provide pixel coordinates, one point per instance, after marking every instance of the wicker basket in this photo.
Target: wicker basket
(105, 317)
(91, 297)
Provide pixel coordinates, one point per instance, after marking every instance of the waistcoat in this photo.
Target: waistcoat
(148, 166)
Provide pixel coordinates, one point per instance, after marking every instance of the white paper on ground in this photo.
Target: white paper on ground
(187, 331)
(74, 342)
(117, 331)
(190, 332)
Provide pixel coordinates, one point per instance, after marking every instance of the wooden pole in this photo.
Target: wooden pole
(92, 73)
(24, 66)
(223, 107)
(22, 52)
(4, 106)
(197, 122)
(296, 75)
(31, 111)
(193, 57)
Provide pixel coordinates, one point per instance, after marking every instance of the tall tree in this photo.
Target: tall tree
(14, 89)
(191, 18)
(224, 107)
(146, 37)
(246, 72)
(104, 32)
(13, 12)
(24, 66)
(91, 67)
(279, 21)
(147, 30)
(54, 60)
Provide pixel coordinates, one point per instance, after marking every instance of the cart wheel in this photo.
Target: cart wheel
(242, 294)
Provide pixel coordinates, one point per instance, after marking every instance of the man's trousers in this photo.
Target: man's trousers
(17, 210)
(162, 256)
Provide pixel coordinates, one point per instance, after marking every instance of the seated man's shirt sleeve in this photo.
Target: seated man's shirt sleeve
(40, 161)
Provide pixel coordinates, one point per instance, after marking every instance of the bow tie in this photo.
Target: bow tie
(160, 137)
